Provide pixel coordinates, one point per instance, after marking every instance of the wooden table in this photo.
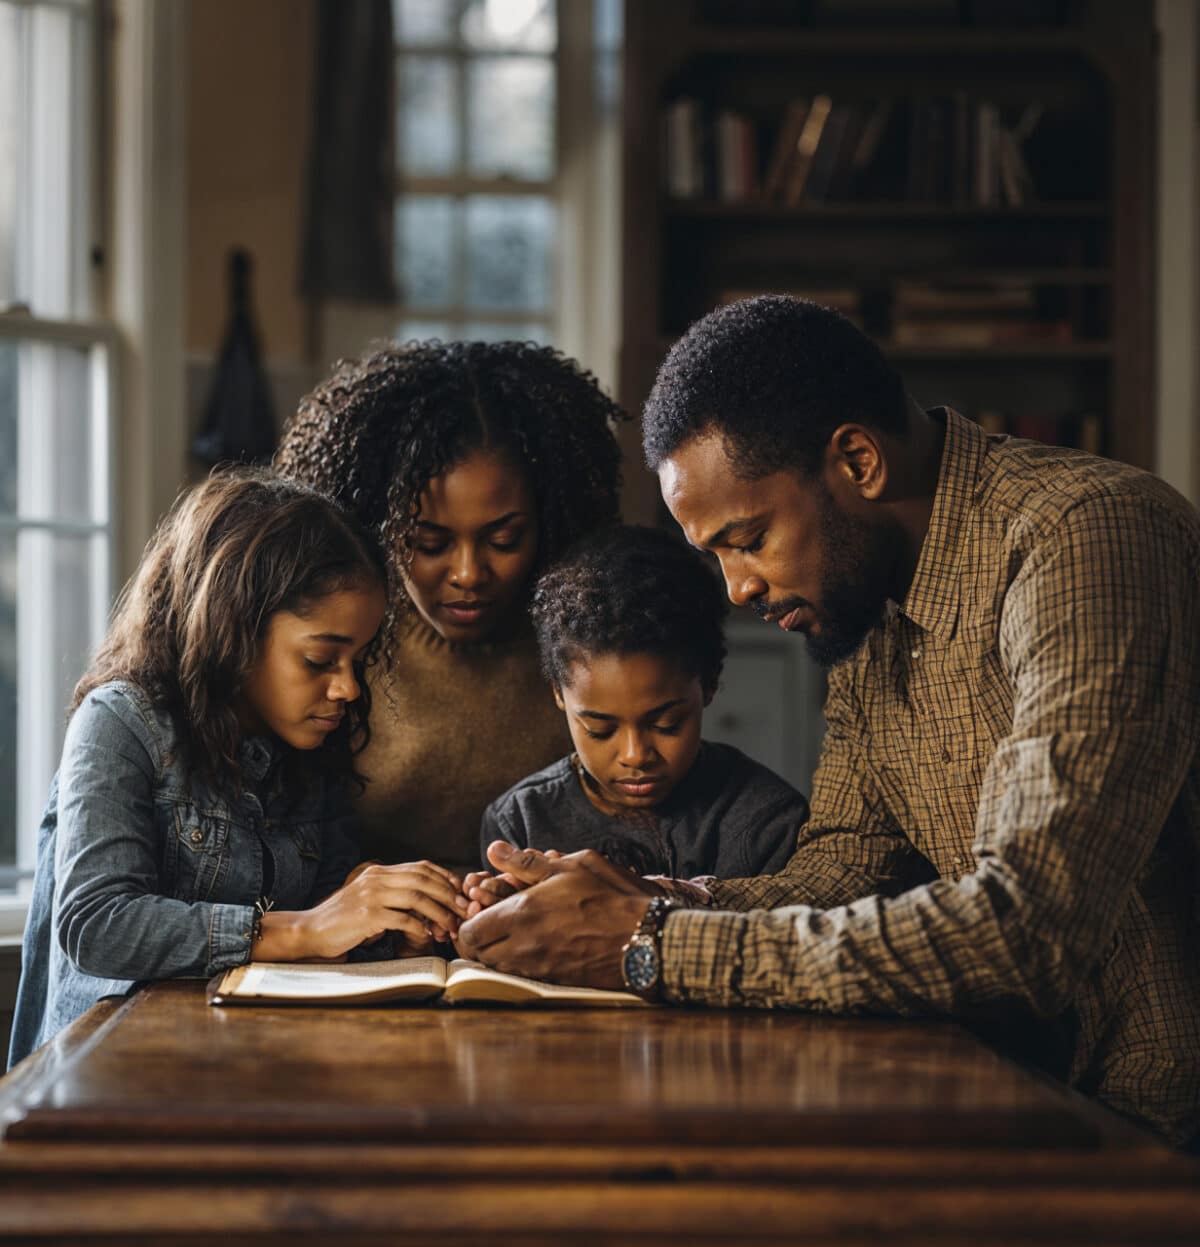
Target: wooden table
(160, 1119)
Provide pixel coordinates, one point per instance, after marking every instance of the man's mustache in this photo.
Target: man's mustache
(776, 610)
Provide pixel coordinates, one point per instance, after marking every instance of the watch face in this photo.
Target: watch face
(640, 966)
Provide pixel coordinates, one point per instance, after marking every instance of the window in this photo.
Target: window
(476, 167)
(56, 400)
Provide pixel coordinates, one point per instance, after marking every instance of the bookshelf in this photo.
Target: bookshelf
(994, 235)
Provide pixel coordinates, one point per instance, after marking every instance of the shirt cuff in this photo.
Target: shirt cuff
(230, 935)
(702, 956)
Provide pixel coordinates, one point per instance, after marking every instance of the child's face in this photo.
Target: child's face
(635, 722)
(303, 677)
(474, 548)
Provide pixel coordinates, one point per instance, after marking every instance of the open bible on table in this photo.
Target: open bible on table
(406, 979)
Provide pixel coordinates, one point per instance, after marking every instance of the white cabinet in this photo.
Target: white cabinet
(769, 702)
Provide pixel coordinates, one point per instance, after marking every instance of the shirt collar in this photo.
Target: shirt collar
(256, 754)
(932, 600)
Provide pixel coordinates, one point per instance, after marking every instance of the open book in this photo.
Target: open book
(409, 978)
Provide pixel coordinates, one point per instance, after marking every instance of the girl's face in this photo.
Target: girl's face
(303, 677)
(474, 548)
(635, 723)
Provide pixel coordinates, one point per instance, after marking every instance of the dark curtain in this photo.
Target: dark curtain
(348, 232)
(239, 417)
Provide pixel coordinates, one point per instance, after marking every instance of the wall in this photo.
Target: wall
(250, 73)
(1178, 396)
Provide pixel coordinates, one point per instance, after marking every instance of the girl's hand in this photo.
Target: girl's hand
(417, 900)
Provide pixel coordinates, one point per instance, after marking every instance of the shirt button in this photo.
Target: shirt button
(197, 836)
(945, 755)
(916, 653)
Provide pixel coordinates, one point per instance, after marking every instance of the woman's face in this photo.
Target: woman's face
(474, 548)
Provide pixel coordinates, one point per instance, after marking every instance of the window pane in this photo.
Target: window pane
(494, 331)
(510, 114)
(425, 250)
(8, 699)
(8, 428)
(427, 115)
(509, 242)
(49, 585)
(423, 330)
(48, 435)
(525, 24)
(45, 203)
(422, 21)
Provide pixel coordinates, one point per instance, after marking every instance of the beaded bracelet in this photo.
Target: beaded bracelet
(262, 907)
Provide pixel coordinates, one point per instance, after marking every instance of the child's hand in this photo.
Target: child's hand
(419, 901)
(482, 888)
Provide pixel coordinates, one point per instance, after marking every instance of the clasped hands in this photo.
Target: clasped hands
(560, 917)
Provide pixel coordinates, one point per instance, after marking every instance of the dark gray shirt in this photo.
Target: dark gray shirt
(730, 817)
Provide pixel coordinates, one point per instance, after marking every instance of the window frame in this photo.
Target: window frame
(344, 327)
(62, 318)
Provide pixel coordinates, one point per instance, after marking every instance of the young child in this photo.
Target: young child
(629, 628)
(198, 817)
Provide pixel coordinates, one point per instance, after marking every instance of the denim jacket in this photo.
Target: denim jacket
(146, 872)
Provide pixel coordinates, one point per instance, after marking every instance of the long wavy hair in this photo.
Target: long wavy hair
(381, 427)
(233, 551)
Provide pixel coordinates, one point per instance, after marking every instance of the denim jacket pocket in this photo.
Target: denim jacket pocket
(307, 839)
(199, 851)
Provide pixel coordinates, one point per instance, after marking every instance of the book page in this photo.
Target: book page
(411, 977)
(472, 980)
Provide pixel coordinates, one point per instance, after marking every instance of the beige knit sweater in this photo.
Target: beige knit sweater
(463, 723)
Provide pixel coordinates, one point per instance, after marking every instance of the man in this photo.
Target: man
(1013, 633)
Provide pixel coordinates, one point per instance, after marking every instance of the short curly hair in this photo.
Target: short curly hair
(630, 590)
(776, 376)
(381, 427)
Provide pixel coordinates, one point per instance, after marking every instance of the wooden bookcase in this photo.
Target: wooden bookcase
(1079, 236)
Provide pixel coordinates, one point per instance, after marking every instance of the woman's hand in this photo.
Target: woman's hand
(419, 901)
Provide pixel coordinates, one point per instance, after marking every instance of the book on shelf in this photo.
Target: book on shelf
(949, 297)
(682, 148)
(737, 156)
(985, 330)
(1081, 430)
(806, 149)
(405, 980)
(784, 151)
(829, 152)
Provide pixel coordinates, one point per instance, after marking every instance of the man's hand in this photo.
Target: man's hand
(569, 928)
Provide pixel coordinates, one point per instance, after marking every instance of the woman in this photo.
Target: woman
(476, 464)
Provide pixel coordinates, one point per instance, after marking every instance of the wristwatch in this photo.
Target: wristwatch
(641, 958)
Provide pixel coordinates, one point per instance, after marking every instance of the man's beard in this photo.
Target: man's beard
(859, 563)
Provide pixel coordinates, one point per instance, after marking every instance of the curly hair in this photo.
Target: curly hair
(233, 551)
(630, 590)
(776, 375)
(381, 427)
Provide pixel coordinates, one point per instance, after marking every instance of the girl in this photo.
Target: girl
(476, 464)
(197, 820)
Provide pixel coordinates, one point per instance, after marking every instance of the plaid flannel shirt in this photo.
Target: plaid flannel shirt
(1027, 721)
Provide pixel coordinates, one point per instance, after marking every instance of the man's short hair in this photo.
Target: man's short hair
(776, 375)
